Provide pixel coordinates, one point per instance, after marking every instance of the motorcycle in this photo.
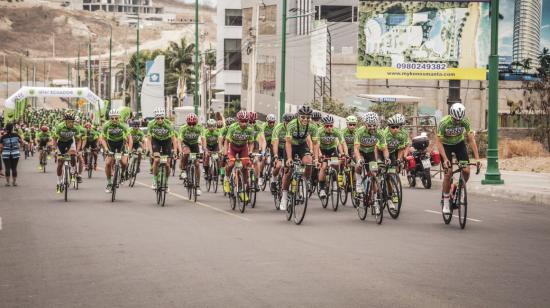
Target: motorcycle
(420, 161)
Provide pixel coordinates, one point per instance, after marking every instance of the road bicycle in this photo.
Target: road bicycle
(117, 174)
(253, 188)
(277, 193)
(191, 182)
(333, 183)
(390, 184)
(133, 167)
(348, 186)
(43, 159)
(161, 185)
(68, 176)
(213, 176)
(298, 195)
(370, 199)
(268, 168)
(89, 161)
(459, 196)
(237, 191)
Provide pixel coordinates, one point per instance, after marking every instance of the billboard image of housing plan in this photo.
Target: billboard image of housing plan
(423, 40)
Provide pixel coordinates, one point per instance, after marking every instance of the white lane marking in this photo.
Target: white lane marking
(200, 204)
(0, 223)
(439, 213)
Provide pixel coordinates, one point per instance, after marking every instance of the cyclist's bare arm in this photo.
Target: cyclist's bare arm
(275, 146)
(440, 148)
(473, 144)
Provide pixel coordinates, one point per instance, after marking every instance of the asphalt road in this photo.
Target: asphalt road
(90, 252)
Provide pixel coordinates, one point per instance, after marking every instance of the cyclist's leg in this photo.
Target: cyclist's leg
(446, 187)
(461, 153)
(185, 157)
(195, 149)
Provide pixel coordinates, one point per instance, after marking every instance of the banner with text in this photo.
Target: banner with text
(423, 40)
(152, 91)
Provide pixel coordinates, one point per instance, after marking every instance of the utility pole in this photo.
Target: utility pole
(251, 103)
(492, 176)
(78, 68)
(110, 64)
(7, 80)
(138, 101)
(27, 69)
(196, 94)
(20, 74)
(69, 83)
(90, 64)
(282, 95)
(44, 99)
(34, 80)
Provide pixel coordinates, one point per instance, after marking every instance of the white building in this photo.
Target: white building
(228, 54)
(527, 23)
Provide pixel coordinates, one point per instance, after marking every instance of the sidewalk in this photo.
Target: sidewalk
(519, 186)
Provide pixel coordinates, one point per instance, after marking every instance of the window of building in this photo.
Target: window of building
(232, 54)
(231, 98)
(233, 17)
(336, 13)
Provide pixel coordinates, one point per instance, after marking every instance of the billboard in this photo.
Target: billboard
(423, 40)
(152, 90)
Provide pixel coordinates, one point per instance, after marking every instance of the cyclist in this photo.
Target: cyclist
(66, 137)
(279, 133)
(190, 139)
(259, 142)
(450, 137)
(348, 134)
(299, 141)
(223, 132)
(368, 140)
(28, 139)
(212, 139)
(43, 138)
(138, 139)
(330, 145)
(115, 138)
(161, 140)
(239, 141)
(397, 138)
(91, 136)
(267, 129)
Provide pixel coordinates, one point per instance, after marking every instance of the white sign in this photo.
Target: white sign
(152, 91)
(24, 92)
(319, 40)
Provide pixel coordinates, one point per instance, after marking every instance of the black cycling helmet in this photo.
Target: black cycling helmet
(316, 116)
(305, 111)
(68, 116)
(287, 117)
(327, 120)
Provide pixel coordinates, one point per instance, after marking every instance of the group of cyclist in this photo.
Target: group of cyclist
(307, 135)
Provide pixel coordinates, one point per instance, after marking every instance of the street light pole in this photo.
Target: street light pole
(492, 176)
(138, 102)
(78, 69)
(282, 94)
(196, 94)
(110, 63)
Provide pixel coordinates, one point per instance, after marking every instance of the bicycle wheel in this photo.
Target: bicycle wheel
(195, 186)
(377, 207)
(214, 176)
(334, 191)
(133, 173)
(266, 174)
(300, 201)
(115, 183)
(209, 178)
(363, 202)
(461, 201)
(344, 191)
(90, 165)
(426, 178)
(253, 190)
(394, 186)
(164, 187)
(241, 191)
(159, 184)
(231, 194)
(66, 182)
(187, 183)
(324, 201)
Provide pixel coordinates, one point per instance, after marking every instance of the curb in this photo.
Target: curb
(500, 191)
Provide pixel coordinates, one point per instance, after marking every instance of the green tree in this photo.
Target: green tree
(333, 106)
(179, 65)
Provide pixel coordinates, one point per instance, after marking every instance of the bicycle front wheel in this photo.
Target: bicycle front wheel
(241, 192)
(334, 191)
(299, 201)
(462, 204)
(66, 182)
(214, 178)
(115, 183)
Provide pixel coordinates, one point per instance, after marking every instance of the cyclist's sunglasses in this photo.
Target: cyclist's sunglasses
(328, 126)
(114, 119)
(305, 117)
(371, 126)
(159, 118)
(243, 121)
(395, 126)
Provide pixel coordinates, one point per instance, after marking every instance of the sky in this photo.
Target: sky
(507, 26)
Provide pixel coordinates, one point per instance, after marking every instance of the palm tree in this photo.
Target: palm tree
(179, 65)
(544, 61)
(130, 69)
(526, 64)
(516, 65)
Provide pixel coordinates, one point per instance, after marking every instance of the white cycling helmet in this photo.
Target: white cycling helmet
(159, 112)
(211, 123)
(397, 119)
(457, 111)
(370, 118)
(271, 118)
(114, 113)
